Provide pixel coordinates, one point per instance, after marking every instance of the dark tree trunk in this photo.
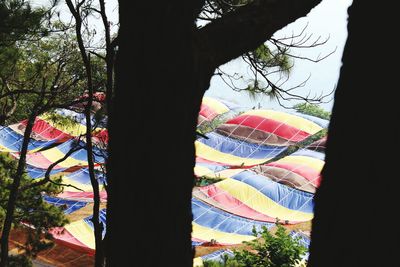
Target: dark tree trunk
(358, 198)
(152, 133)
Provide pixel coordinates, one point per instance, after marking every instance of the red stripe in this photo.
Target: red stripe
(270, 126)
(65, 238)
(81, 195)
(47, 131)
(207, 112)
(310, 174)
(39, 161)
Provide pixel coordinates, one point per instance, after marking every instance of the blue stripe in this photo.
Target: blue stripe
(309, 153)
(285, 196)
(36, 173)
(13, 140)
(71, 205)
(240, 148)
(211, 217)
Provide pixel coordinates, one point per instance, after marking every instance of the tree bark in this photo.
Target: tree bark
(358, 196)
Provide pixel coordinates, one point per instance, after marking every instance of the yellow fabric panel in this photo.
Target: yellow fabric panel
(215, 105)
(202, 171)
(82, 231)
(5, 149)
(289, 119)
(198, 262)
(259, 202)
(211, 154)
(55, 154)
(205, 233)
(74, 130)
(313, 163)
(84, 187)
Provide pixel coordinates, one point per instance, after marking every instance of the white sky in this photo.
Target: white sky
(329, 19)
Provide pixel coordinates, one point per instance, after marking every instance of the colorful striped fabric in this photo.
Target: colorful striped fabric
(69, 206)
(210, 108)
(211, 223)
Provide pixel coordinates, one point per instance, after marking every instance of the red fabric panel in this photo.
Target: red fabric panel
(39, 161)
(65, 238)
(207, 112)
(310, 174)
(81, 195)
(270, 126)
(46, 131)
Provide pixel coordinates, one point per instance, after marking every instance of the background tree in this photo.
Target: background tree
(313, 110)
(30, 208)
(164, 65)
(49, 79)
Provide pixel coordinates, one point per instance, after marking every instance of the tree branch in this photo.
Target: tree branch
(253, 24)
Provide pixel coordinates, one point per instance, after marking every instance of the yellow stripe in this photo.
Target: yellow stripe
(216, 105)
(74, 130)
(259, 202)
(205, 233)
(83, 232)
(202, 171)
(228, 173)
(55, 154)
(84, 187)
(198, 262)
(5, 149)
(211, 154)
(313, 163)
(289, 119)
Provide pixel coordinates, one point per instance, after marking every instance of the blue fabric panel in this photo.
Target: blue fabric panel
(71, 205)
(211, 217)
(309, 153)
(81, 154)
(240, 148)
(13, 140)
(285, 196)
(36, 173)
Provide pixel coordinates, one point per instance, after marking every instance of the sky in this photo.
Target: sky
(327, 20)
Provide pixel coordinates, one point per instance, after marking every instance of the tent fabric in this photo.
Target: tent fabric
(70, 205)
(44, 130)
(287, 177)
(251, 135)
(222, 200)
(287, 197)
(210, 108)
(262, 203)
(294, 121)
(238, 148)
(11, 141)
(65, 238)
(211, 223)
(279, 128)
